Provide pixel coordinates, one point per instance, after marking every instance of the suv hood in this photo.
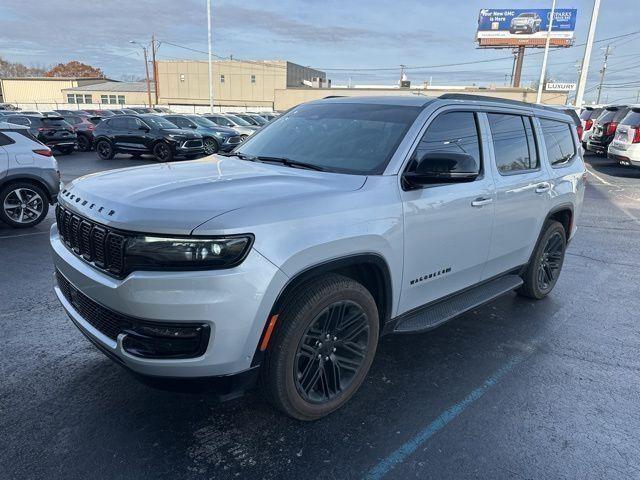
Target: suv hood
(177, 197)
(182, 132)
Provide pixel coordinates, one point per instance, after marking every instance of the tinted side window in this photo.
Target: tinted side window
(558, 140)
(513, 144)
(632, 118)
(118, 123)
(620, 114)
(19, 120)
(452, 132)
(131, 123)
(5, 140)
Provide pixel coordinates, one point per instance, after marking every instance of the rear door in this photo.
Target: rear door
(447, 226)
(522, 190)
(4, 156)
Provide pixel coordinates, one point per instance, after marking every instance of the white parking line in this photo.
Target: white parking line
(599, 177)
(23, 235)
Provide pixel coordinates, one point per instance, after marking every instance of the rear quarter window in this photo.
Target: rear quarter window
(632, 118)
(558, 140)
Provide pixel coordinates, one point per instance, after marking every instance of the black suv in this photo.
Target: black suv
(84, 125)
(140, 134)
(54, 132)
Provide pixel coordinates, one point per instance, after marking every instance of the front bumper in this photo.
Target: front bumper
(234, 303)
(189, 147)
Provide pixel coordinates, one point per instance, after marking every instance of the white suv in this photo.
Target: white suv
(340, 221)
(625, 146)
(29, 177)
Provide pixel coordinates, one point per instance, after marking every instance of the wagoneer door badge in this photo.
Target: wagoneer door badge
(430, 276)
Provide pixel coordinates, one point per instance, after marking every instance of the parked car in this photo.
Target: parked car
(62, 112)
(129, 111)
(142, 110)
(255, 120)
(29, 177)
(214, 137)
(99, 113)
(83, 125)
(287, 260)
(140, 134)
(625, 147)
(528, 22)
(29, 112)
(53, 132)
(161, 110)
(268, 116)
(588, 115)
(118, 111)
(243, 127)
(605, 127)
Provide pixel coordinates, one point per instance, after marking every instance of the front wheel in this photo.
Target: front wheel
(105, 150)
(323, 346)
(546, 262)
(210, 146)
(163, 152)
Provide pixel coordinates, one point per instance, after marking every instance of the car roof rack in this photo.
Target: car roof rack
(506, 101)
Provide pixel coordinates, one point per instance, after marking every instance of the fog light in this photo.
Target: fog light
(166, 341)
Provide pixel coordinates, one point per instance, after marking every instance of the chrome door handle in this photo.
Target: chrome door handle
(543, 187)
(480, 201)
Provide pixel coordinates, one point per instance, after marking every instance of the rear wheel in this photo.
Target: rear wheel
(66, 150)
(323, 346)
(163, 152)
(105, 150)
(23, 204)
(546, 263)
(84, 144)
(210, 146)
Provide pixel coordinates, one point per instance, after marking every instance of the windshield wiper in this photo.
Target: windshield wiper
(241, 156)
(290, 163)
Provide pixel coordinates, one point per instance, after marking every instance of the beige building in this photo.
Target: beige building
(286, 98)
(110, 93)
(235, 83)
(43, 90)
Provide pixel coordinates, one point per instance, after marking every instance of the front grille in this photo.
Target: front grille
(95, 243)
(107, 321)
(193, 144)
(234, 140)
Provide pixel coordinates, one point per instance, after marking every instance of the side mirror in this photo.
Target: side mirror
(443, 167)
(193, 125)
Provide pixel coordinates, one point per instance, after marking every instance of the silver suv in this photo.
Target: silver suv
(340, 221)
(29, 177)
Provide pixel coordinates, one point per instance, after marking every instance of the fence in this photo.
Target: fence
(45, 107)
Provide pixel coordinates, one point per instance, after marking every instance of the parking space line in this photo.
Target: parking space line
(599, 177)
(443, 419)
(23, 235)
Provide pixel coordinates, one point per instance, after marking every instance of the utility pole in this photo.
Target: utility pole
(155, 67)
(518, 66)
(603, 70)
(513, 67)
(210, 64)
(546, 53)
(146, 68)
(582, 82)
(402, 67)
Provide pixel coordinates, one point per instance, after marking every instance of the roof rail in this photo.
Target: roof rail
(517, 103)
(333, 96)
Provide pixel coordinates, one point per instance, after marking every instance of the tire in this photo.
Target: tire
(34, 199)
(291, 363)
(162, 152)
(210, 146)
(546, 262)
(66, 150)
(137, 156)
(105, 150)
(84, 144)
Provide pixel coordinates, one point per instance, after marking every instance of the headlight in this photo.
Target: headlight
(145, 252)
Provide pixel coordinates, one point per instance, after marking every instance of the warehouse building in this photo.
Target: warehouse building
(41, 90)
(235, 83)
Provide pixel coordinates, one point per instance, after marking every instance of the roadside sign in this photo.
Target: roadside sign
(560, 87)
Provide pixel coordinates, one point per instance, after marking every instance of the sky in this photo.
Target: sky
(339, 37)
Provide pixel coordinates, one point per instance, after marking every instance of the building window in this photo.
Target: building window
(78, 98)
(182, 77)
(221, 78)
(112, 99)
(104, 98)
(71, 98)
(88, 99)
(121, 99)
(253, 79)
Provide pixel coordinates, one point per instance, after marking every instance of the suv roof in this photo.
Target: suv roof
(400, 100)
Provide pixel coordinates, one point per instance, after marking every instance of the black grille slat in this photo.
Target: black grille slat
(107, 321)
(94, 242)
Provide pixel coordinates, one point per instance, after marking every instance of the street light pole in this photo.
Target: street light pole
(546, 54)
(582, 82)
(210, 64)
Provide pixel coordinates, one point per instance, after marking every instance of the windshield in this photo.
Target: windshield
(203, 122)
(632, 118)
(158, 122)
(238, 120)
(258, 119)
(590, 113)
(339, 137)
(606, 116)
(248, 119)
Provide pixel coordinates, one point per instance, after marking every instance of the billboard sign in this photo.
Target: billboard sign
(502, 28)
(560, 87)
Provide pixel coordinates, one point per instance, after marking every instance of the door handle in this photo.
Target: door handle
(543, 187)
(480, 201)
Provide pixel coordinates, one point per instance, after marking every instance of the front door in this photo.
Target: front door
(447, 226)
(522, 191)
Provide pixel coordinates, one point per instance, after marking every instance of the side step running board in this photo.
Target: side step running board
(431, 316)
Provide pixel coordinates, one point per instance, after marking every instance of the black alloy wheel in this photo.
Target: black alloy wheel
(163, 152)
(210, 146)
(331, 352)
(549, 266)
(84, 144)
(104, 150)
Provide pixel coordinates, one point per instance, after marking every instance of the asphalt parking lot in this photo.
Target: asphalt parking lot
(514, 389)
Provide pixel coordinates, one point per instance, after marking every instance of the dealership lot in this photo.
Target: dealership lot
(513, 389)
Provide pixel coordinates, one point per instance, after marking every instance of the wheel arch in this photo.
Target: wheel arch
(28, 178)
